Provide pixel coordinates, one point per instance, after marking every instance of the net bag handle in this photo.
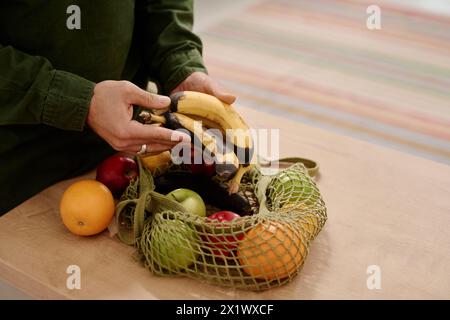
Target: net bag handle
(311, 166)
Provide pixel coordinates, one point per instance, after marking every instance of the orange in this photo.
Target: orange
(87, 207)
(271, 250)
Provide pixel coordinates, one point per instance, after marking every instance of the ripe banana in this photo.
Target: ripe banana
(226, 161)
(243, 168)
(208, 123)
(235, 182)
(158, 161)
(188, 107)
(208, 107)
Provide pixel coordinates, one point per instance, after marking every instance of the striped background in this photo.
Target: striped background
(316, 62)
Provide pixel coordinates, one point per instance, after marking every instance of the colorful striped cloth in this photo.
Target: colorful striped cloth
(318, 63)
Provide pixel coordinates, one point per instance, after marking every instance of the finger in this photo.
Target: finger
(151, 133)
(140, 141)
(221, 94)
(152, 149)
(146, 99)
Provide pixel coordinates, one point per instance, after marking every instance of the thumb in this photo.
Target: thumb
(221, 94)
(147, 100)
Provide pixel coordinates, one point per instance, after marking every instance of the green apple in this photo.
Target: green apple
(174, 245)
(190, 200)
(293, 188)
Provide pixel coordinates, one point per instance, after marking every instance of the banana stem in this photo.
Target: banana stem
(235, 182)
(148, 118)
(158, 119)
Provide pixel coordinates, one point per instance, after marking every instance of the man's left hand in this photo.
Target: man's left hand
(201, 82)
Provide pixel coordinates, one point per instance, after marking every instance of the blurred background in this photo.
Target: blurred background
(317, 62)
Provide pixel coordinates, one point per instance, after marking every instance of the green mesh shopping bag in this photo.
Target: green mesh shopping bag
(255, 252)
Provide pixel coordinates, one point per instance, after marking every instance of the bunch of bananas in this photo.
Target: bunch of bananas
(232, 149)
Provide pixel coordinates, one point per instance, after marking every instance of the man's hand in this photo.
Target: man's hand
(201, 82)
(110, 116)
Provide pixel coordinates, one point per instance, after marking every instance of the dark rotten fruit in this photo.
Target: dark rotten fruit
(116, 172)
(226, 161)
(215, 193)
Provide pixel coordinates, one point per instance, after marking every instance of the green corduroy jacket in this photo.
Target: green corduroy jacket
(52, 52)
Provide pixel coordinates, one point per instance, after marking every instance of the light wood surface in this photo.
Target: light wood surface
(385, 208)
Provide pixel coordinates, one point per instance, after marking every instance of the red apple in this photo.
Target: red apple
(116, 172)
(222, 245)
(224, 216)
(205, 167)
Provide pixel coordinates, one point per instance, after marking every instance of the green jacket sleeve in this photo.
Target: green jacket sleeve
(172, 50)
(33, 92)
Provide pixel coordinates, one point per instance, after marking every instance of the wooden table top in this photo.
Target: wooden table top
(385, 208)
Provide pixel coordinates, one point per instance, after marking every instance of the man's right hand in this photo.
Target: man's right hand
(110, 116)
